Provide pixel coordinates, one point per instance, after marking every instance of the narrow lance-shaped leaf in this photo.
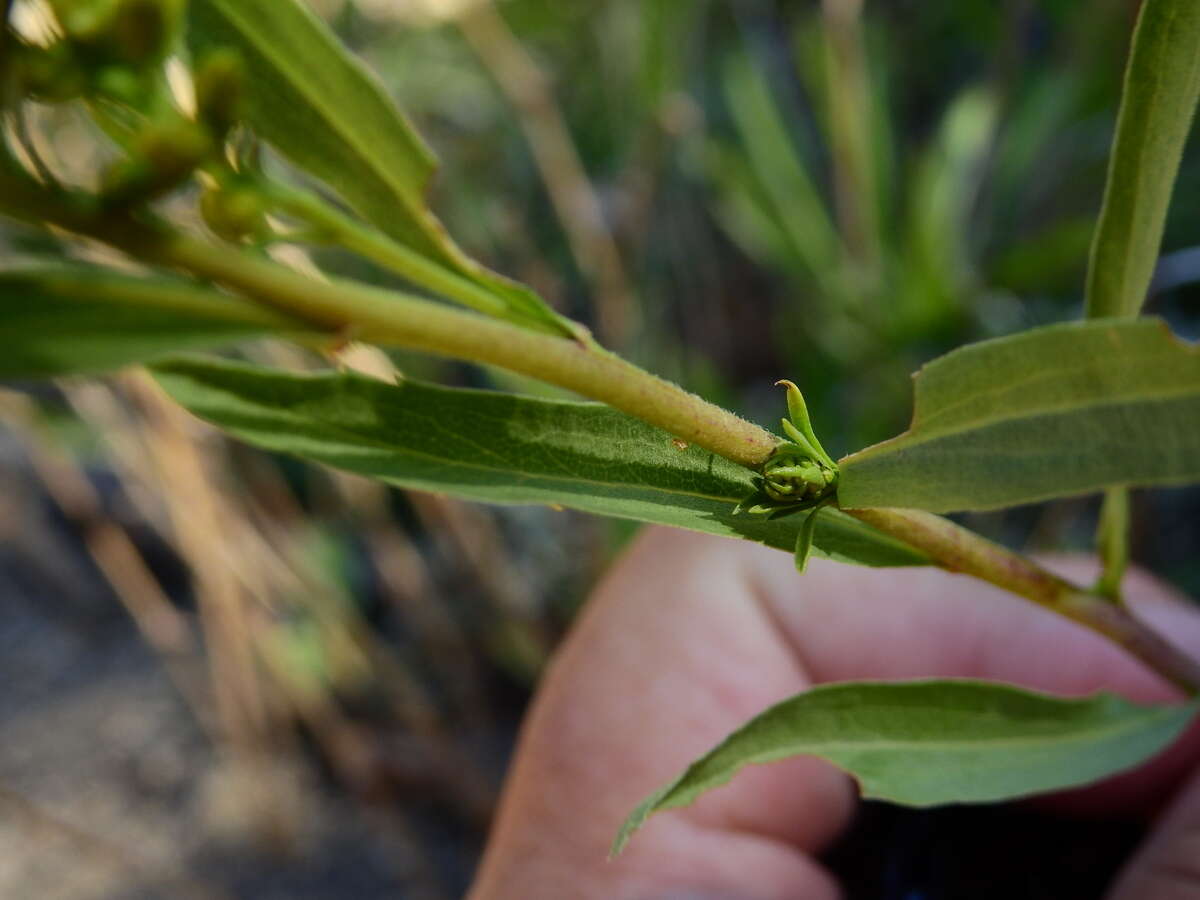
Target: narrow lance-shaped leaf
(924, 743)
(326, 113)
(804, 539)
(64, 319)
(1056, 411)
(1162, 84)
(502, 448)
(785, 186)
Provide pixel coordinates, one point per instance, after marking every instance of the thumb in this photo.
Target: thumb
(1167, 867)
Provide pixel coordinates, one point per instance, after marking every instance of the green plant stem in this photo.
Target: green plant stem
(959, 550)
(341, 229)
(165, 294)
(1112, 541)
(354, 311)
(388, 317)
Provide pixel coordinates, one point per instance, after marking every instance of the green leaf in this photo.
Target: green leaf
(924, 743)
(62, 319)
(1162, 84)
(804, 539)
(326, 113)
(1049, 260)
(791, 198)
(1056, 411)
(501, 448)
(936, 259)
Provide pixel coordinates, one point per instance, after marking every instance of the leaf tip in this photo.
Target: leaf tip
(629, 827)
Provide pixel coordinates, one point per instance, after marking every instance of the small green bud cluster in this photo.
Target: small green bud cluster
(219, 79)
(161, 156)
(800, 469)
(111, 53)
(108, 48)
(235, 210)
(792, 475)
(799, 476)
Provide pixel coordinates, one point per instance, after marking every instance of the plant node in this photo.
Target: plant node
(799, 475)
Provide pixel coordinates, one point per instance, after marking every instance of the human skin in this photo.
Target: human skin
(690, 635)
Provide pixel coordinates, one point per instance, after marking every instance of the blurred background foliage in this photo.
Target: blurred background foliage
(233, 675)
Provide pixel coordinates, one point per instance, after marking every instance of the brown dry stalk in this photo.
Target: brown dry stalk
(528, 90)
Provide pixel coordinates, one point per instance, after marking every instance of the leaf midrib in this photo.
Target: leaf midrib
(1131, 249)
(1024, 741)
(551, 480)
(1110, 730)
(921, 433)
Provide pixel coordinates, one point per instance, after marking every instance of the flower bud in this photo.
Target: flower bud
(120, 83)
(219, 80)
(233, 211)
(175, 146)
(163, 155)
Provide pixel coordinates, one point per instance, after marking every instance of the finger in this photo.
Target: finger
(930, 623)
(672, 653)
(1167, 867)
(936, 624)
(676, 594)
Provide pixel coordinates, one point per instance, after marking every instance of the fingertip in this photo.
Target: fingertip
(1167, 866)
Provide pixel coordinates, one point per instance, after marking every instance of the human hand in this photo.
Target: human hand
(690, 635)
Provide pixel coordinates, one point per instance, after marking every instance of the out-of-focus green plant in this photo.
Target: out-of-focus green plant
(890, 251)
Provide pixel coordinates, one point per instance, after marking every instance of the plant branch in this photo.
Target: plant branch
(389, 317)
(959, 550)
(1112, 541)
(356, 311)
(335, 227)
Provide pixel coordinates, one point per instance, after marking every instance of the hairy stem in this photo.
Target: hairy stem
(357, 311)
(337, 227)
(389, 317)
(959, 550)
